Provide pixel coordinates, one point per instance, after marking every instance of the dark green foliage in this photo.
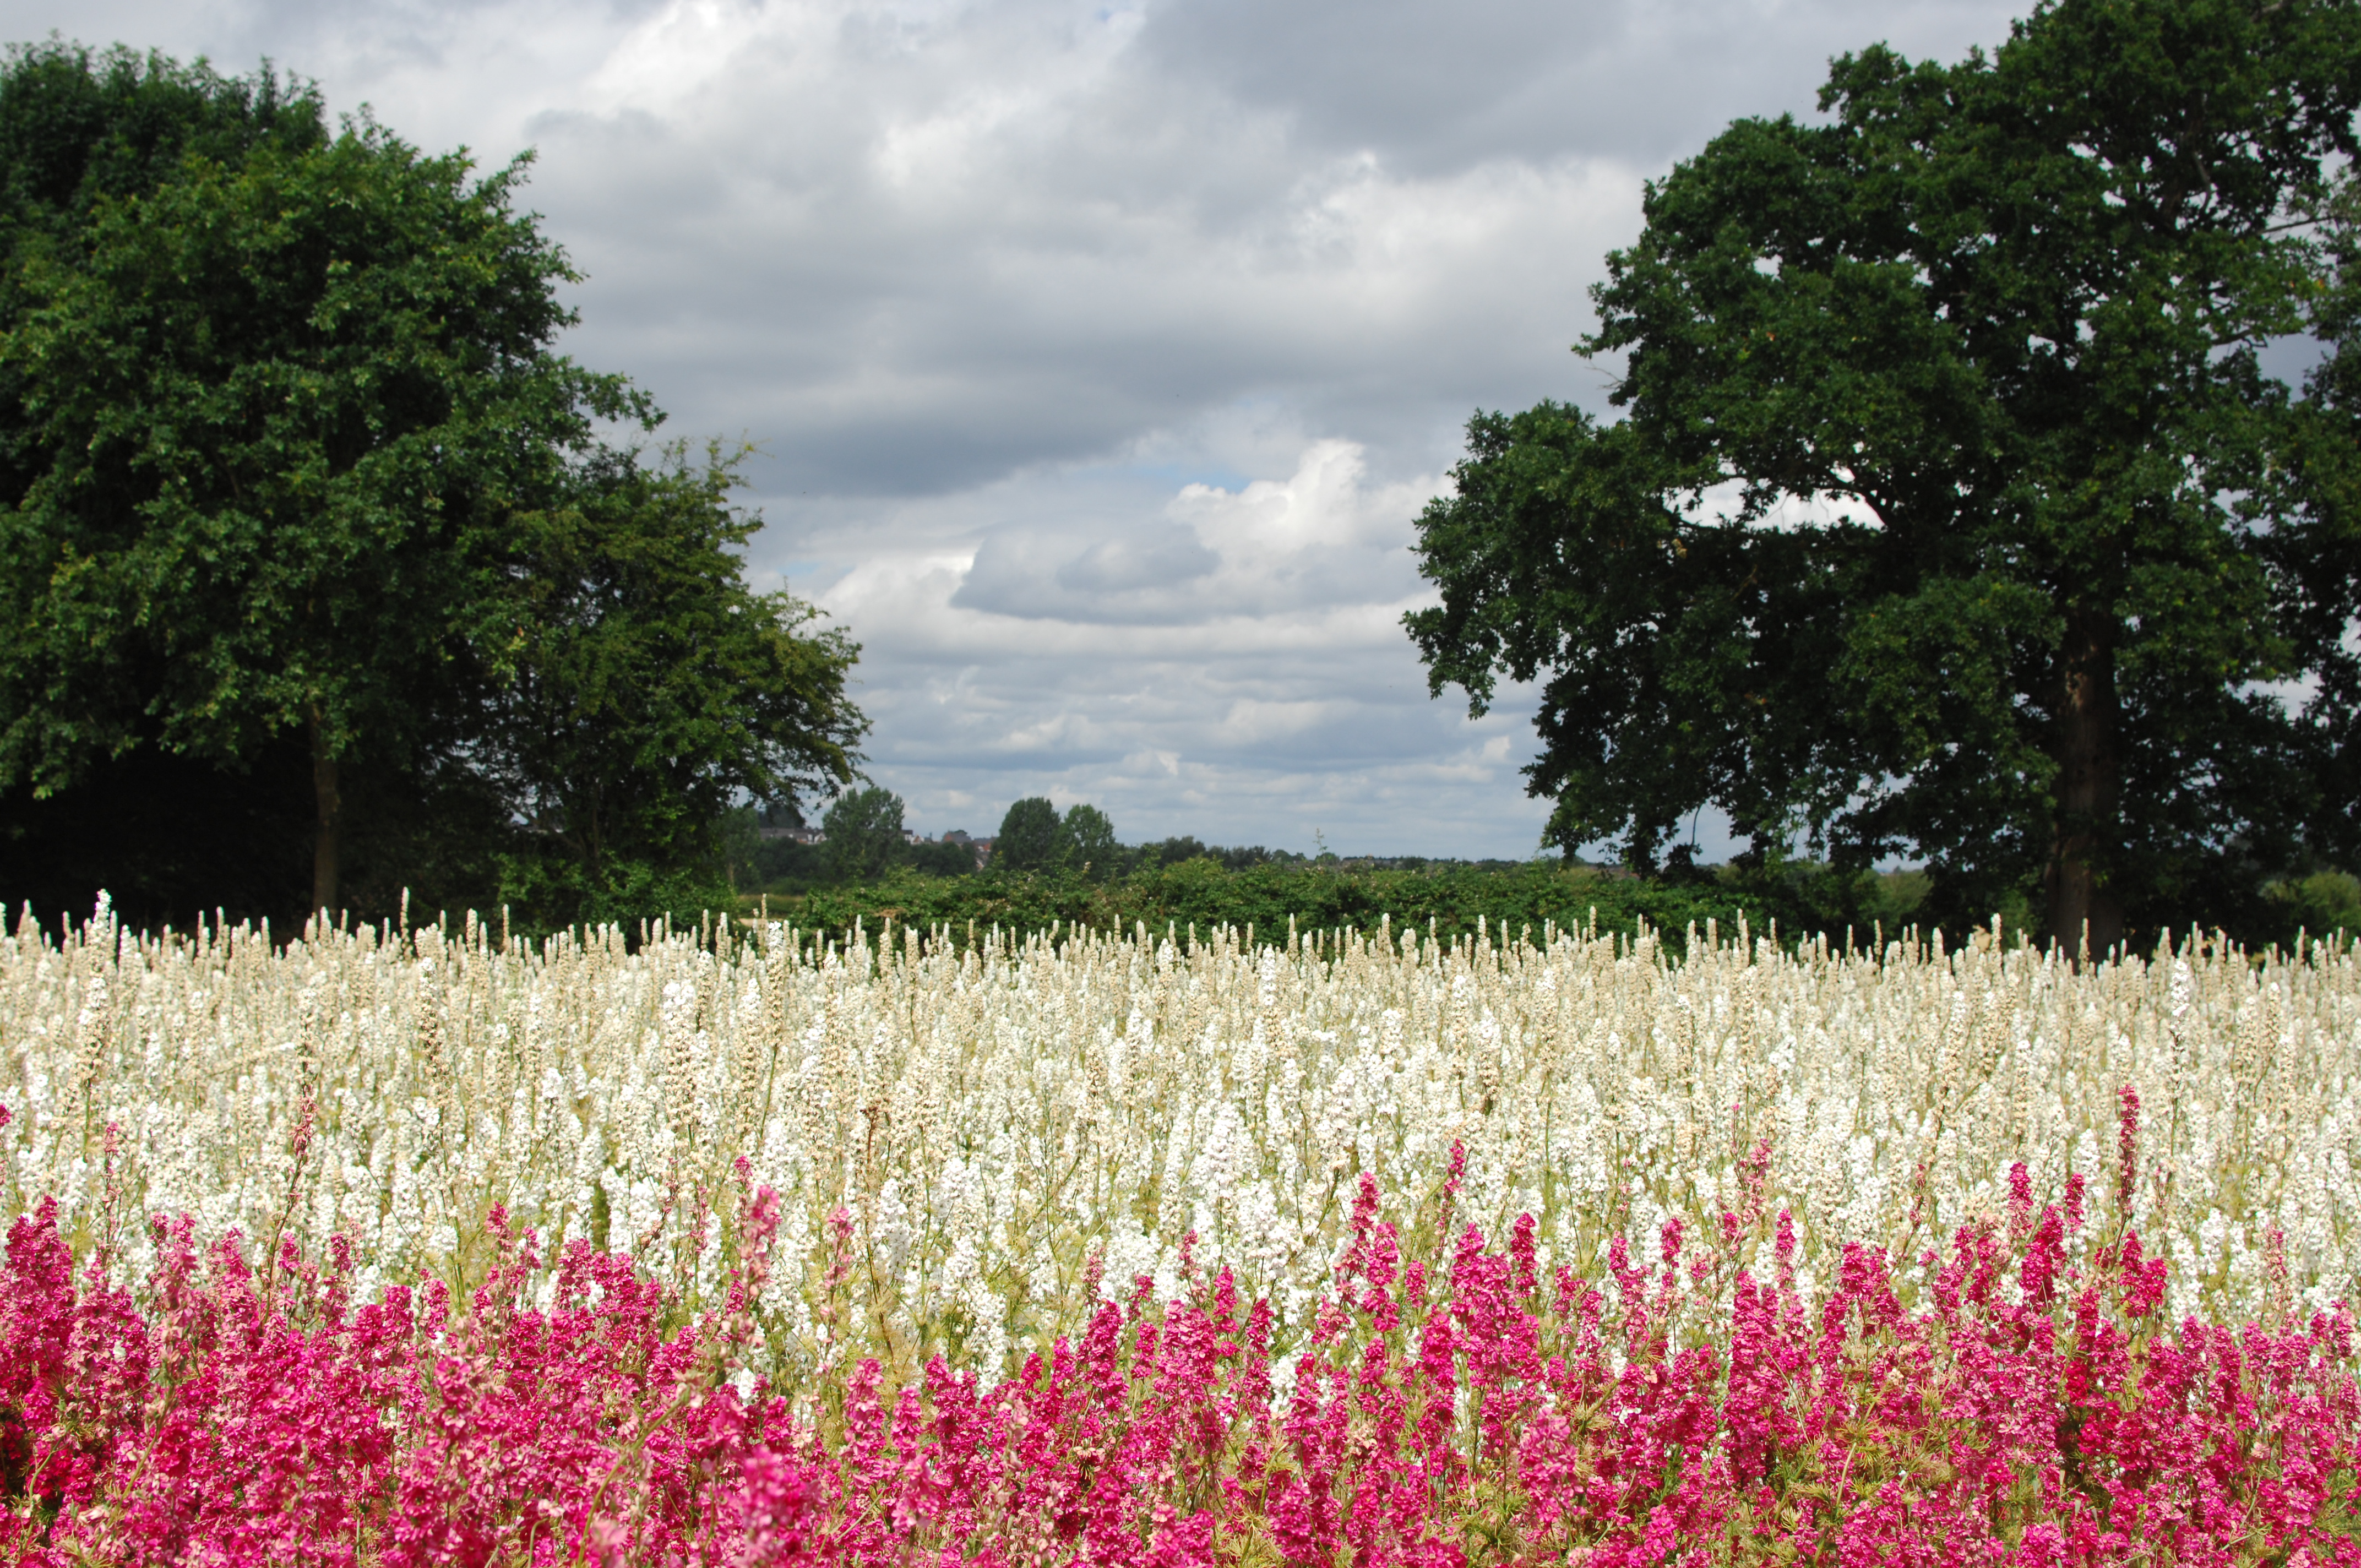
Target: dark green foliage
(785, 869)
(78, 129)
(1504, 898)
(1090, 842)
(254, 411)
(864, 834)
(936, 858)
(2319, 904)
(167, 836)
(785, 866)
(1077, 847)
(642, 684)
(293, 490)
(1173, 851)
(1802, 899)
(2316, 554)
(2008, 313)
(1030, 837)
(738, 835)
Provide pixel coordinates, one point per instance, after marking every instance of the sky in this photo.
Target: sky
(1098, 357)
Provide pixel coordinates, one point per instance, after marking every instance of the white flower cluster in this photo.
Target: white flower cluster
(998, 1120)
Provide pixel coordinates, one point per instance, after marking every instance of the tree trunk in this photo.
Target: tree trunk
(329, 828)
(2084, 912)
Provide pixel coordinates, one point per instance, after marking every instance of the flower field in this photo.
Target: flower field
(735, 1245)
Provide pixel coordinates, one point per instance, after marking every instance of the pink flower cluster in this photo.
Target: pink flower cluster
(1455, 1405)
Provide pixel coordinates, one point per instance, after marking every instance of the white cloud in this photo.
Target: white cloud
(1725, 502)
(1318, 539)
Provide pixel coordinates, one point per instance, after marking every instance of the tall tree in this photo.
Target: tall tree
(1953, 513)
(1090, 840)
(638, 686)
(288, 463)
(865, 836)
(1031, 836)
(257, 403)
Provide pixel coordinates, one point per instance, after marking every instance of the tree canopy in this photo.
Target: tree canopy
(1955, 512)
(1036, 836)
(1031, 836)
(295, 491)
(1090, 840)
(865, 836)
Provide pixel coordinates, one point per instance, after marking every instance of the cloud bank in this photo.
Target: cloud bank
(1101, 354)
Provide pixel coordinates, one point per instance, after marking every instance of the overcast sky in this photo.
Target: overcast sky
(1101, 354)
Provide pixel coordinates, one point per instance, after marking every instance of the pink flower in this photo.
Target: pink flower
(2025, 1414)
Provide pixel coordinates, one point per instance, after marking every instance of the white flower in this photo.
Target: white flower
(990, 1118)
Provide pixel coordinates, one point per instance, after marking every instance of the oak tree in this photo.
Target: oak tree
(1955, 510)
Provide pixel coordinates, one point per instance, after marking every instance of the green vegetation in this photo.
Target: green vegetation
(636, 684)
(1798, 900)
(2322, 903)
(1329, 893)
(865, 841)
(1030, 838)
(2007, 317)
(1183, 883)
(864, 834)
(1036, 836)
(321, 582)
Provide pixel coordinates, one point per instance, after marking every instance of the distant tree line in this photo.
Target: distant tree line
(1052, 869)
(865, 839)
(1798, 900)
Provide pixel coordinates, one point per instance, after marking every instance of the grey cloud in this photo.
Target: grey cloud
(1262, 698)
(1116, 566)
(1231, 745)
(910, 249)
(1106, 258)
(1438, 86)
(1020, 572)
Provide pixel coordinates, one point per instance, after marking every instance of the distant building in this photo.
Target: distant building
(800, 835)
